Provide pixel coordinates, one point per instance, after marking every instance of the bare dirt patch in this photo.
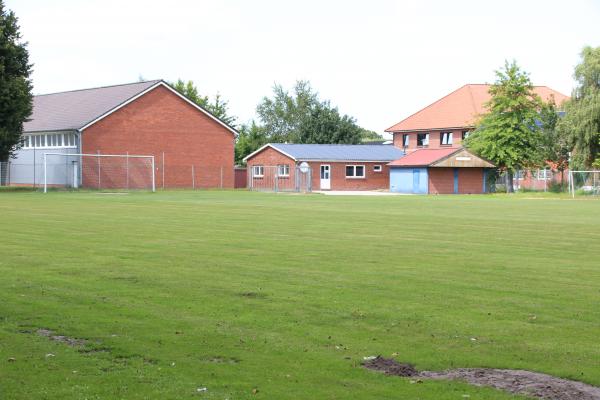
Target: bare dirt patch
(74, 342)
(521, 382)
(390, 366)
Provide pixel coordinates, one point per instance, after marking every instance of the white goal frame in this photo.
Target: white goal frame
(126, 156)
(572, 181)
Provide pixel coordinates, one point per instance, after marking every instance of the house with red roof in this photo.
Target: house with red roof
(432, 138)
(447, 122)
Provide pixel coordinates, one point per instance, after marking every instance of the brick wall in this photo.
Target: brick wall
(372, 181)
(161, 122)
(441, 180)
(272, 158)
(434, 139)
(470, 180)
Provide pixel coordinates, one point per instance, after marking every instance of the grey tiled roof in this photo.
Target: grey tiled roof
(340, 152)
(75, 109)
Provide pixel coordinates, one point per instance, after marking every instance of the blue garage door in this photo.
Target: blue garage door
(408, 180)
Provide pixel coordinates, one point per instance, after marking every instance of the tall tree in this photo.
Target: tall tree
(219, 107)
(509, 134)
(324, 124)
(15, 86)
(282, 115)
(581, 123)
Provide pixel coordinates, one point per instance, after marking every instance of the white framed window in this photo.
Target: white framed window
(355, 171)
(542, 174)
(283, 170)
(423, 139)
(446, 138)
(377, 168)
(50, 140)
(258, 171)
(405, 139)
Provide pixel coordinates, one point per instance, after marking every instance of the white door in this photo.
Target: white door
(325, 177)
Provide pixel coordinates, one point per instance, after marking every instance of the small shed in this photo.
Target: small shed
(440, 171)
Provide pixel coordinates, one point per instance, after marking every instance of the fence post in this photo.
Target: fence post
(221, 177)
(45, 176)
(153, 176)
(97, 162)
(193, 178)
(163, 170)
(127, 169)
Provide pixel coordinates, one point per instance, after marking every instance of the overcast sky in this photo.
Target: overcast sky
(377, 60)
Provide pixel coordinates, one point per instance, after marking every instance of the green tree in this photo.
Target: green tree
(370, 136)
(324, 124)
(555, 146)
(508, 134)
(219, 107)
(15, 86)
(282, 115)
(581, 123)
(250, 138)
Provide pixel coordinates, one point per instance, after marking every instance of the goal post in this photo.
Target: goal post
(584, 182)
(99, 171)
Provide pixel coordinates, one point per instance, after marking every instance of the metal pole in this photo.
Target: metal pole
(193, 178)
(153, 180)
(163, 170)
(45, 176)
(221, 177)
(98, 162)
(127, 168)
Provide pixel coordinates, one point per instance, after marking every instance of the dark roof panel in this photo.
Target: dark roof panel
(75, 109)
(340, 152)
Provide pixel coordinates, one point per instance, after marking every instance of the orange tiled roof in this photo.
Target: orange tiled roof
(460, 109)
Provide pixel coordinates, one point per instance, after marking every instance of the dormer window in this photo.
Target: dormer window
(422, 139)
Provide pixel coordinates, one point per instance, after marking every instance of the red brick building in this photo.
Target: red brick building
(275, 166)
(446, 122)
(191, 147)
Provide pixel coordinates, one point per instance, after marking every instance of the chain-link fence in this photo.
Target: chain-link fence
(540, 180)
(280, 178)
(122, 172)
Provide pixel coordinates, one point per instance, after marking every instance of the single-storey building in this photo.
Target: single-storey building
(439, 171)
(189, 144)
(332, 166)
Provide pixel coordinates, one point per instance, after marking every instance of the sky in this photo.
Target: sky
(377, 60)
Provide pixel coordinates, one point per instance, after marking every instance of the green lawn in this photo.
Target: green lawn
(286, 294)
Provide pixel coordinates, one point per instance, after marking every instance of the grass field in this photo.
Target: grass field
(268, 296)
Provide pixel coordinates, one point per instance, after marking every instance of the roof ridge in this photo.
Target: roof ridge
(99, 87)
(426, 107)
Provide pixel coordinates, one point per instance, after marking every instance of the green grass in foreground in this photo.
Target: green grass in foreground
(286, 294)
